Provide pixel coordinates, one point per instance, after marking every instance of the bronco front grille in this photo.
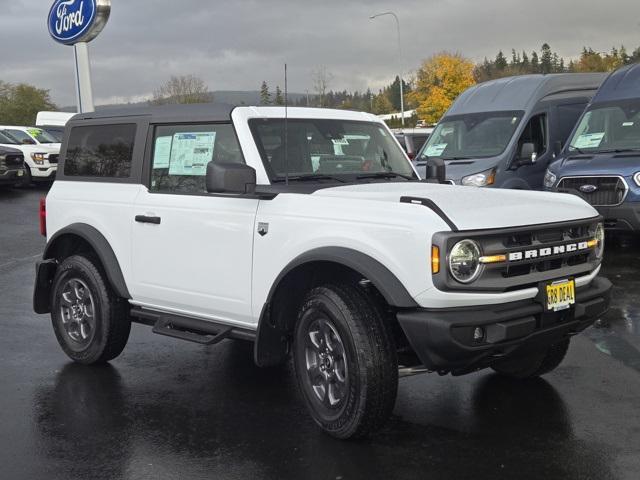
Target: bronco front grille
(602, 191)
(557, 255)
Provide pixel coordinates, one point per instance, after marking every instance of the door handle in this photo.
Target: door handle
(147, 219)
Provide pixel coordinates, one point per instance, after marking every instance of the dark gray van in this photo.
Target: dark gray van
(504, 133)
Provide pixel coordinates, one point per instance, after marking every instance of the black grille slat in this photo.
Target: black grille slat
(608, 190)
(53, 159)
(14, 160)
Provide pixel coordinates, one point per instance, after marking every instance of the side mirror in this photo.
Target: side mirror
(230, 178)
(26, 141)
(436, 171)
(557, 148)
(528, 154)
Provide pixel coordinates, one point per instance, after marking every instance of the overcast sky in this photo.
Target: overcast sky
(234, 45)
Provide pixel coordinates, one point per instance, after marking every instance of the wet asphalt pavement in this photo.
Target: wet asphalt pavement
(167, 409)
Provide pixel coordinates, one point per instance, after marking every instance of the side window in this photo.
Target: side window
(536, 132)
(100, 151)
(181, 154)
(568, 116)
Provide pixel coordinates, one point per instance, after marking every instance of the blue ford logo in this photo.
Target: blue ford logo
(75, 21)
(588, 188)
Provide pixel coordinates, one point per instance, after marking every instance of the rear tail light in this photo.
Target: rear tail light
(43, 216)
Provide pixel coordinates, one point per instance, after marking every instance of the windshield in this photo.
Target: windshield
(6, 139)
(31, 134)
(608, 128)
(475, 135)
(333, 149)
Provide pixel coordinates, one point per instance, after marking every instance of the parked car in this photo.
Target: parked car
(53, 122)
(12, 171)
(412, 139)
(601, 163)
(41, 160)
(504, 133)
(212, 222)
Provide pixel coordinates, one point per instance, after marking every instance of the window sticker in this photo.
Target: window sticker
(34, 132)
(589, 140)
(191, 152)
(627, 124)
(340, 141)
(436, 149)
(162, 152)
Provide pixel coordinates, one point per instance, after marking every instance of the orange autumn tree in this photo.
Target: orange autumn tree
(439, 81)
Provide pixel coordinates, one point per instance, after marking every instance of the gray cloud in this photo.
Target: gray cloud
(235, 45)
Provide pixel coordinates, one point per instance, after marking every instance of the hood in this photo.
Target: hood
(472, 208)
(624, 164)
(29, 149)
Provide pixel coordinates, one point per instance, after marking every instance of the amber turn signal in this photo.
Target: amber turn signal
(435, 259)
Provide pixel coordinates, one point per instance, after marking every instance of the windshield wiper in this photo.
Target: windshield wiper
(309, 178)
(385, 175)
(619, 150)
(455, 158)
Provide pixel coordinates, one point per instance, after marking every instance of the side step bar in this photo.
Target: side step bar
(203, 332)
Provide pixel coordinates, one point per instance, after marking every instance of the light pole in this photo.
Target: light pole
(399, 57)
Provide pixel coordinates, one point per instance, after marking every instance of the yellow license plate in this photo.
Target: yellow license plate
(561, 295)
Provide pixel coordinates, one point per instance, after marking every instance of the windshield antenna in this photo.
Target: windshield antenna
(286, 129)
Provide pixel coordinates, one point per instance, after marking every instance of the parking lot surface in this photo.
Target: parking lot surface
(168, 409)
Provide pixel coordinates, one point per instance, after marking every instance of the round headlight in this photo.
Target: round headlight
(464, 261)
(599, 236)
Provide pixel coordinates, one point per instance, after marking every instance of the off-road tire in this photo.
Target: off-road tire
(370, 354)
(534, 365)
(111, 320)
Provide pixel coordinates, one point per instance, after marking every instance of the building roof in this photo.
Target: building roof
(521, 92)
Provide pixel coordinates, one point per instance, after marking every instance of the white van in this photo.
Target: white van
(53, 122)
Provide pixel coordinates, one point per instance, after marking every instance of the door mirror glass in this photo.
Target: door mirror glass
(557, 148)
(528, 154)
(230, 178)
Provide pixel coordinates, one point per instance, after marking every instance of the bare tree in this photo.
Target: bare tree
(321, 80)
(183, 89)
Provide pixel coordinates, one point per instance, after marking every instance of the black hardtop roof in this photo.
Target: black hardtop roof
(522, 92)
(205, 112)
(623, 84)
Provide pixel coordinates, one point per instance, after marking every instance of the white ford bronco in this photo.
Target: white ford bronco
(308, 233)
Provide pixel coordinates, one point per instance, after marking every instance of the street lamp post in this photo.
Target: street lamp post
(399, 57)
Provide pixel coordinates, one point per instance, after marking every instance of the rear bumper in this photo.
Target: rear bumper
(443, 338)
(625, 217)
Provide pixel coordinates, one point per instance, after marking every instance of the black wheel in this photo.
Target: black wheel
(534, 365)
(345, 361)
(28, 179)
(90, 321)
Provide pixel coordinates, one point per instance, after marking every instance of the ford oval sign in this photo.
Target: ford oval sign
(75, 21)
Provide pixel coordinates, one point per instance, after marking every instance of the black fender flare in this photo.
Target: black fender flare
(380, 276)
(103, 250)
(271, 346)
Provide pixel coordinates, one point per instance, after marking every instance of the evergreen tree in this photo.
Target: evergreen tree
(265, 96)
(501, 61)
(546, 59)
(525, 61)
(279, 98)
(535, 63)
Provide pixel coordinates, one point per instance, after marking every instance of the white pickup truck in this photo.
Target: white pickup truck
(211, 222)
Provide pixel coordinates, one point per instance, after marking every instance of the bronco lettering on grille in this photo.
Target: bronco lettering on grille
(548, 251)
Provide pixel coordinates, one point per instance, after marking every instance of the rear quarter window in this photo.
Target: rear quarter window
(100, 151)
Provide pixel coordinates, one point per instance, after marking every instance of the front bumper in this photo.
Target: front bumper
(45, 172)
(443, 338)
(624, 217)
(12, 177)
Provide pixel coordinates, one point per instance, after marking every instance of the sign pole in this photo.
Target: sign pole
(84, 91)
